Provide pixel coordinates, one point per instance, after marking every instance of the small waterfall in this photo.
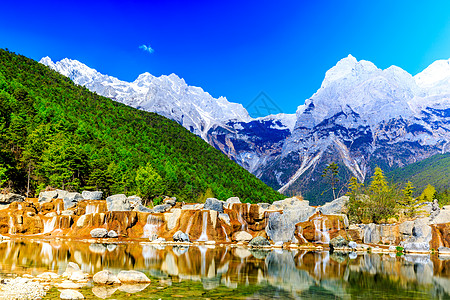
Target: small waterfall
(92, 209)
(49, 225)
(152, 226)
(58, 208)
(19, 206)
(244, 225)
(321, 234)
(204, 236)
(325, 234)
(189, 225)
(12, 228)
(300, 234)
(226, 235)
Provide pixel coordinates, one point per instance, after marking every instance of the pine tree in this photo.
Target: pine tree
(332, 171)
(408, 203)
(378, 183)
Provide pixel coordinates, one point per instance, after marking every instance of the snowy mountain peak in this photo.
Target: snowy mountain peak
(348, 68)
(168, 95)
(438, 73)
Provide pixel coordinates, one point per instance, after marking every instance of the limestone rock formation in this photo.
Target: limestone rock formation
(99, 233)
(92, 195)
(118, 203)
(105, 277)
(213, 204)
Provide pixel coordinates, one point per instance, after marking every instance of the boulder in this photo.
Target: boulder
(132, 277)
(371, 234)
(289, 203)
(419, 241)
(142, 208)
(281, 225)
(338, 242)
(230, 201)
(112, 234)
(259, 241)
(161, 208)
(170, 200)
(105, 277)
(242, 236)
(92, 195)
(118, 203)
(11, 197)
(47, 196)
(443, 216)
(70, 199)
(434, 209)
(213, 204)
(99, 233)
(416, 247)
(336, 206)
(180, 236)
(406, 228)
(71, 295)
(135, 201)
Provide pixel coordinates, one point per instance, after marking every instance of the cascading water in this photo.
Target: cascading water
(152, 226)
(12, 228)
(49, 225)
(92, 209)
(189, 225)
(226, 235)
(204, 237)
(321, 231)
(244, 225)
(300, 234)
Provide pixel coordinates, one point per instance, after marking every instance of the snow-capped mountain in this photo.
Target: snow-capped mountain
(169, 96)
(361, 116)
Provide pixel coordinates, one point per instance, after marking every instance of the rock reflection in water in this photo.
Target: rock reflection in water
(291, 274)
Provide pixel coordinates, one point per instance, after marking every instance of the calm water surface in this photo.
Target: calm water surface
(199, 272)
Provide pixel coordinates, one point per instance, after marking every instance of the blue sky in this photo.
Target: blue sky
(231, 48)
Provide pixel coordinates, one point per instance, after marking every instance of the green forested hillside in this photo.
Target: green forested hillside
(434, 170)
(62, 135)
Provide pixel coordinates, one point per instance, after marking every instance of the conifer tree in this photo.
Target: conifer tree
(332, 171)
(408, 203)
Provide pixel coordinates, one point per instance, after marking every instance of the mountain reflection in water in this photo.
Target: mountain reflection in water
(244, 273)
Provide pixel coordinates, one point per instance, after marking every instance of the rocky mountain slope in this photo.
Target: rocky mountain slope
(360, 117)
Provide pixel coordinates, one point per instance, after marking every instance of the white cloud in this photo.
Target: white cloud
(147, 48)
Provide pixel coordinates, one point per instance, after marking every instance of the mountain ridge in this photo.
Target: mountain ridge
(361, 116)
